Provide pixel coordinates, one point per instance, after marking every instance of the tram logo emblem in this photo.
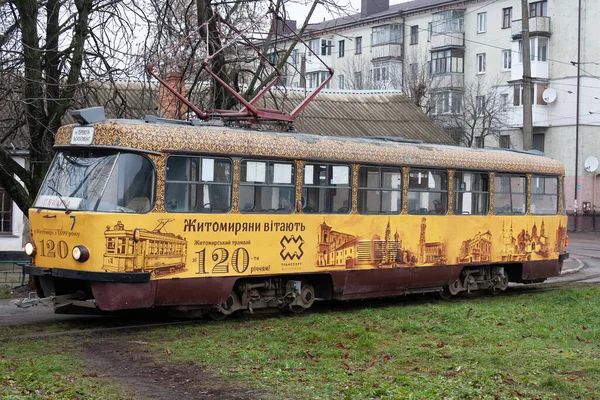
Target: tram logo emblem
(291, 247)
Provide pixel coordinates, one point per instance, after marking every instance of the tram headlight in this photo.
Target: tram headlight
(30, 249)
(136, 235)
(80, 253)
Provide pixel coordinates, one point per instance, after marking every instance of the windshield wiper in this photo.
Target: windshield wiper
(67, 211)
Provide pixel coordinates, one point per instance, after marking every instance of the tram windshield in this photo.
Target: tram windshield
(99, 181)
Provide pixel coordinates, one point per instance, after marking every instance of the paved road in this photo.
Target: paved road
(583, 263)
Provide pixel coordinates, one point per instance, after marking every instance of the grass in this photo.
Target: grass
(537, 346)
(541, 346)
(47, 369)
(5, 292)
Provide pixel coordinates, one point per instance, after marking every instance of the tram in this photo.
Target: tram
(156, 214)
(210, 217)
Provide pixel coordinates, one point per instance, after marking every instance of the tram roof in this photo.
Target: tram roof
(169, 137)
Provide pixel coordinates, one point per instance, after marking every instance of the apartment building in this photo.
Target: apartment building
(455, 44)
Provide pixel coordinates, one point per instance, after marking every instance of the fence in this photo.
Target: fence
(11, 273)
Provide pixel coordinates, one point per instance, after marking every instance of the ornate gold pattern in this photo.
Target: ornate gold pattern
(560, 195)
(405, 190)
(355, 188)
(236, 187)
(450, 192)
(158, 137)
(299, 181)
(491, 189)
(528, 204)
(159, 161)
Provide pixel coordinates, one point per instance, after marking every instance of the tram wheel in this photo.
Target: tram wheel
(497, 289)
(216, 315)
(454, 288)
(307, 298)
(445, 293)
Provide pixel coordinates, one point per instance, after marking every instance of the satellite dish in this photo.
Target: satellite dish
(591, 164)
(549, 95)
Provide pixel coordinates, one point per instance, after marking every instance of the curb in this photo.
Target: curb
(578, 268)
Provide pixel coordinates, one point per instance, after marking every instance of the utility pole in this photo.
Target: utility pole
(527, 100)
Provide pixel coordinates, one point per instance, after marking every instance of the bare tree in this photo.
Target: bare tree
(418, 82)
(481, 112)
(48, 48)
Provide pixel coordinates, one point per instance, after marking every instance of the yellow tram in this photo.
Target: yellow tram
(150, 213)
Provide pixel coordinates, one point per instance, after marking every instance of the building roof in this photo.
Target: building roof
(395, 9)
(363, 114)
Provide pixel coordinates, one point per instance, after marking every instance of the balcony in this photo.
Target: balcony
(448, 80)
(313, 64)
(448, 39)
(539, 69)
(386, 51)
(538, 26)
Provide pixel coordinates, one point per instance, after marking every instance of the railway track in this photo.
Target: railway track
(119, 324)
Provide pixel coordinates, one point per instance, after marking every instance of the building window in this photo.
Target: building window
(518, 94)
(358, 45)
(341, 45)
(326, 189)
(480, 104)
(448, 21)
(510, 194)
(481, 22)
(427, 191)
(481, 63)
(447, 61)
(379, 190)
(446, 102)
(414, 34)
(538, 9)
(295, 56)
(314, 79)
(358, 80)
(387, 34)
(544, 195)
(506, 17)
(313, 44)
(480, 142)
(471, 193)
(5, 212)
(429, 31)
(326, 47)
(506, 59)
(267, 187)
(381, 73)
(504, 102)
(504, 141)
(538, 141)
(341, 82)
(541, 53)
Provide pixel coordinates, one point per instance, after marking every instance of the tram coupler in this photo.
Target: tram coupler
(32, 302)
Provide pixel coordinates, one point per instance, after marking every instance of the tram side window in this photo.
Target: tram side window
(471, 193)
(379, 190)
(267, 187)
(326, 189)
(427, 191)
(510, 194)
(198, 184)
(544, 195)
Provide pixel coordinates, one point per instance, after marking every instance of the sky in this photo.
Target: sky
(298, 12)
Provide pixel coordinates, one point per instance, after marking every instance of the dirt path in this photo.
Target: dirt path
(132, 365)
